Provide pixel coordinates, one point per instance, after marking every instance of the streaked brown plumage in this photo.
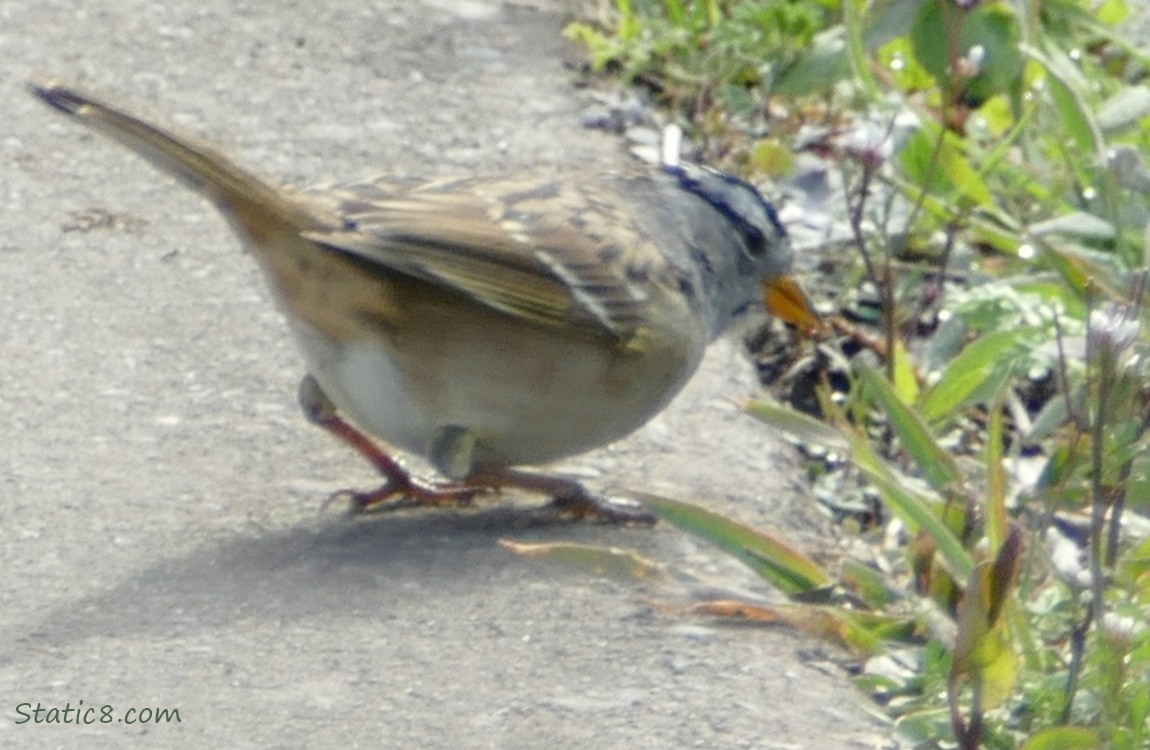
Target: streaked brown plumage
(489, 323)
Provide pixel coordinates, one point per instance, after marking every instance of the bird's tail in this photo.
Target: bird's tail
(248, 198)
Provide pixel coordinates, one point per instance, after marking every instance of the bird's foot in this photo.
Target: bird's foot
(569, 498)
(399, 489)
(398, 493)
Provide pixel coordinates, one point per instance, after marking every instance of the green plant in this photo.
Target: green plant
(1006, 238)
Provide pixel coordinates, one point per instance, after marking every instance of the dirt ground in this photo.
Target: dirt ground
(161, 538)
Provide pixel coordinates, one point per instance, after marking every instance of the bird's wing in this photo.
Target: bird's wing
(544, 251)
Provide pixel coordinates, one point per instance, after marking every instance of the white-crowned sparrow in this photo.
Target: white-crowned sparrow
(487, 323)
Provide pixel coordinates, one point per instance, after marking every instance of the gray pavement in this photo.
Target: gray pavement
(161, 538)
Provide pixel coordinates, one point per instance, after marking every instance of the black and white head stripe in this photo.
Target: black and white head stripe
(738, 200)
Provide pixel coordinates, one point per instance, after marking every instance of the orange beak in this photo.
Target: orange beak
(786, 299)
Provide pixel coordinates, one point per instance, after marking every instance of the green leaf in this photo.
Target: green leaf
(936, 162)
(996, 481)
(888, 21)
(897, 57)
(867, 583)
(1075, 115)
(1081, 267)
(978, 372)
(990, 27)
(905, 381)
(929, 35)
(1111, 12)
(962, 175)
(982, 648)
(1125, 110)
(776, 561)
(1064, 738)
(936, 464)
(798, 425)
(924, 728)
(1053, 293)
(860, 60)
(913, 508)
(1068, 88)
(770, 157)
(919, 161)
(820, 67)
(994, 28)
(1079, 224)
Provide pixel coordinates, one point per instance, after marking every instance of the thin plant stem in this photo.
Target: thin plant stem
(1100, 380)
(1074, 669)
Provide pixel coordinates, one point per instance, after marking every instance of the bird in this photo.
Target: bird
(489, 323)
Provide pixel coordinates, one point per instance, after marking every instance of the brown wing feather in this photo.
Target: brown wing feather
(536, 253)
